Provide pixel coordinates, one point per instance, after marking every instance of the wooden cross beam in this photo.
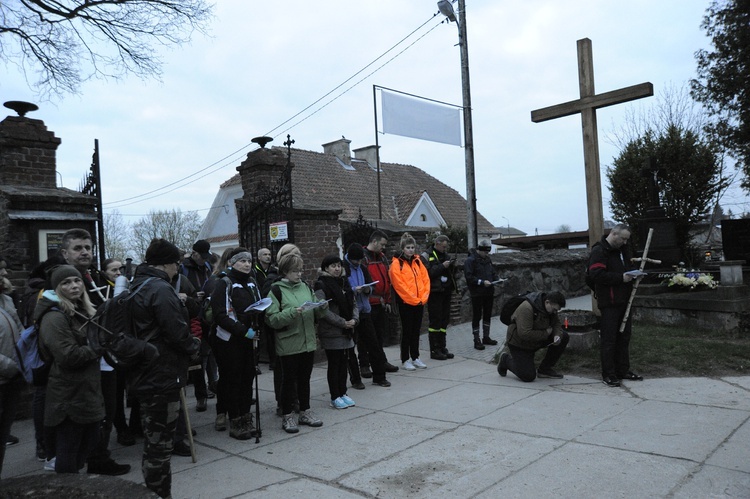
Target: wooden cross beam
(587, 106)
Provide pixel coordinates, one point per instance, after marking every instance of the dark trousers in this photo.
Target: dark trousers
(74, 443)
(198, 376)
(380, 321)
(159, 418)
(411, 323)
(337, 369)
(481, 308)
(368, 337)
(439, 311)
(100, 453)
(236, 360)
(614, 346)
(120, 422)
(37, 412)
(10, 393)
(296, 370)
(521, 361)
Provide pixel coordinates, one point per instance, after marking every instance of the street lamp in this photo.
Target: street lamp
(508, 224)
(446, 9)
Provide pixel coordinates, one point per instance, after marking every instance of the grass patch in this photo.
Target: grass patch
(657, 352)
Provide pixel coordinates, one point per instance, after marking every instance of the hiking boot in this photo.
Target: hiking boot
(358, 385)
(108, 467)
(237, 429)
(348, 400)
(447, 354)
(502, 364)
(419, 364)
(221, 422)
(631, 376)
(289, 423)
(478, 343)
(365, 371)
(382, 382)
(390, 368)
(181, 449)
(488, 341)
(249, 424)
(611, 381)
(339, 404)
(408, 366)
(125, 437)
(438, 354)
(11, 440)
(202, 405)
(548, 372)
(308, 418)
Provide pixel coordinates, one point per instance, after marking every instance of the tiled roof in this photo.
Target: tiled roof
(319, 180)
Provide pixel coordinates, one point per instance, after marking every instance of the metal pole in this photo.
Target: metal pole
(96, 168)
(471, 193)
(377, 152)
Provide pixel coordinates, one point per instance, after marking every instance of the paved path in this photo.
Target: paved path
(457, 429)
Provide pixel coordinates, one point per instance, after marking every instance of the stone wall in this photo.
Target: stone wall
(545, 270)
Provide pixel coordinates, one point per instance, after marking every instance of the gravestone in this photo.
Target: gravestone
(664, 239)
(735, 236)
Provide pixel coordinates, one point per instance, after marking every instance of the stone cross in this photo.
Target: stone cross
(587, 106)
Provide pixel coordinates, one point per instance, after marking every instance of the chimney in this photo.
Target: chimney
(369, 154)
(340, 149)
(27, 149)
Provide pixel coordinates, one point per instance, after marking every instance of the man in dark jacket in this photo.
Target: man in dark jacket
(608, 265)
(479, 278)
(158, 314)
(441, 268)
(534, 325)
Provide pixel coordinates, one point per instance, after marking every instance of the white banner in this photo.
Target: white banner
(420, 119)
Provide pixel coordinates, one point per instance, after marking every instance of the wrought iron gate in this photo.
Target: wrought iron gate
(266, 205)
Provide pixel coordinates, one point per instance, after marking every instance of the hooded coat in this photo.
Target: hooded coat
(532, 327)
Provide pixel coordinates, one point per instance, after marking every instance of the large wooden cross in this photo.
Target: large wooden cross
(587, 106)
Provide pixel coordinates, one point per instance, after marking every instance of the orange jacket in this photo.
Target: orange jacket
(410, 279)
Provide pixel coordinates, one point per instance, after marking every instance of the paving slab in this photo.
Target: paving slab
(454, 464)
(578, 470)
(557, 415)
(300, 489)
(668, 429)
(733, 453)
(714, 482)
(697, 391)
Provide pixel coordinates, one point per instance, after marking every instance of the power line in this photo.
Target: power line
(182, 181)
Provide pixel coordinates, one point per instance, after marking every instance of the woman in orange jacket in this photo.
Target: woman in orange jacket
(411, 282)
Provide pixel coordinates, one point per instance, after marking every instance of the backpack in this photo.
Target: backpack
(510, 306)
(31, 362)
(206, 314)
(111, 331)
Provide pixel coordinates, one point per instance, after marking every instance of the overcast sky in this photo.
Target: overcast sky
(264, 63)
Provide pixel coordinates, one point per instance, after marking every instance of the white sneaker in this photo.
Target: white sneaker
(408, 366)
(419, 364)
(49, 464)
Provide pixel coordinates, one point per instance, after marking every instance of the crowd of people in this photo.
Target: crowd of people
(207, 318)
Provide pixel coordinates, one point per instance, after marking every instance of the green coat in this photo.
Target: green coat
(295, 333)
(74, 389)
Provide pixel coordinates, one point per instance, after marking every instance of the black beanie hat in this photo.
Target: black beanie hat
(162, 252)
(355, 252)
(329, 260)
(62, 272)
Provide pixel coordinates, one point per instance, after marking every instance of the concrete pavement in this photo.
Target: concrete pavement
(457, 429)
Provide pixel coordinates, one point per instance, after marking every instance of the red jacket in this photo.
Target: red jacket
(377, 266)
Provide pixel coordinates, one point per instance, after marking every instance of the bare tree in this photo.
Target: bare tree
(563, 228)
(116, 236)
(181, 229)
(65, 42)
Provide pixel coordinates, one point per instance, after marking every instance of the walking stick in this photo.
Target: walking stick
(258, 432)
(643, 260)
(188, 427)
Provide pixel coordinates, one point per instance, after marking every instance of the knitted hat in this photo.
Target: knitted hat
(239, 254)
(202, 247)
(329, 260)
(484, 245)
(162, 252)
(355, 252)
(62, 272)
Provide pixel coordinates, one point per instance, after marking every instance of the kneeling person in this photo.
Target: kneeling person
(535, 325)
